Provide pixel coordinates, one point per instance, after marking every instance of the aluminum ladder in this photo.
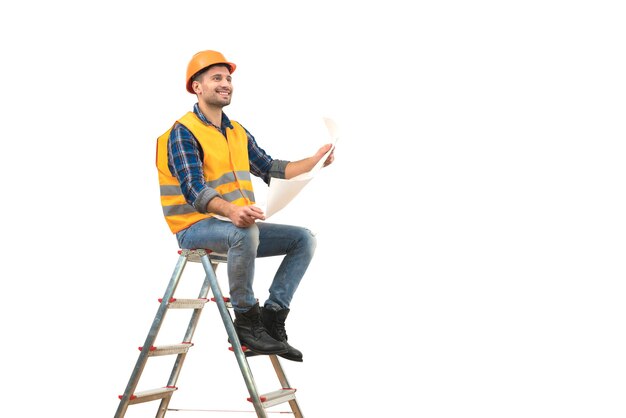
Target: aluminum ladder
(210, 262)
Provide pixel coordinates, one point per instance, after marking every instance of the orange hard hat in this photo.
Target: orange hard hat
(204, 59)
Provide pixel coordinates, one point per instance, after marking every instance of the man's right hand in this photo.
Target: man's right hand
(245, 216)
(241, 216)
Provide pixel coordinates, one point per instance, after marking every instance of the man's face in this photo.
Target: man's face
(215, 86)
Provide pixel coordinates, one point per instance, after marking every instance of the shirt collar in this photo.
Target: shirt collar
(225, 120)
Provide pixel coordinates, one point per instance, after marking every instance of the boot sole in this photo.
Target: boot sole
(298, 359)
(278, 353)
(251, 351)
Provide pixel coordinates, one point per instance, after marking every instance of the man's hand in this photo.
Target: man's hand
(245, 216)
(320, 154)
(241, 216)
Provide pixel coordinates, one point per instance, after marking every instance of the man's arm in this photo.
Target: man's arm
(185, 163)
(295, 168)
(264, 166)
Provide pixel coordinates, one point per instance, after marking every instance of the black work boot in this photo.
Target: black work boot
(274, 322)
(252, 334)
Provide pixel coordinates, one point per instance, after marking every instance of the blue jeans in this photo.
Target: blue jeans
(243, 245)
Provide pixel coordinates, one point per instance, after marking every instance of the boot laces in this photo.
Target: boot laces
(258, 328)
(279, 328)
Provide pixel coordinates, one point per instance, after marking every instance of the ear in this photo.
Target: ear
(195, 86)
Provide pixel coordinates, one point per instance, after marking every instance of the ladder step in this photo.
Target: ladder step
(218, 258)
(226, 301)
(151, 395)
(164, 350)
(186, 303)
(277, 397)
(247, 352)
(213, 257)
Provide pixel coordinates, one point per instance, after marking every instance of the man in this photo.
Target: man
(205, 162)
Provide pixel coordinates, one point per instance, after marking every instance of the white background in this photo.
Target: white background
(471, 232)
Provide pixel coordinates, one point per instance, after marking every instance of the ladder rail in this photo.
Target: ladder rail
(151, 338)
(165, 402)
(282, 378)
(232, 335)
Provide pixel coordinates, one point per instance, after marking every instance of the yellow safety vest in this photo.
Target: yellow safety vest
(226, 169)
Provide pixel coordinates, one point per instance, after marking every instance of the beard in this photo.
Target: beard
(215, 100)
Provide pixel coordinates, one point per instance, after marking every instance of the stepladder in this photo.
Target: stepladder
(136, 394)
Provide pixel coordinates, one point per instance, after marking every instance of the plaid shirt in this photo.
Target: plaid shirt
(185, 159)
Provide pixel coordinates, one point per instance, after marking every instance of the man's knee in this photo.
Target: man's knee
(308, 240)
(247, 239)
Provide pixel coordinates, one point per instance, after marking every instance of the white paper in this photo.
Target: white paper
(282, 191)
